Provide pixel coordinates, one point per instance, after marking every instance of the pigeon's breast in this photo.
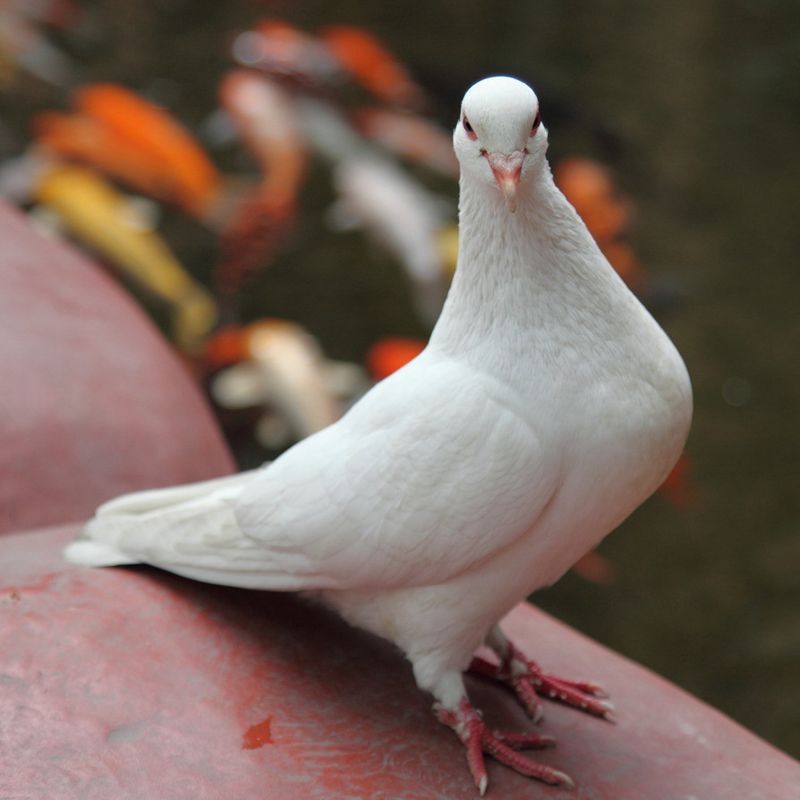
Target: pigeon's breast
(616, 426)
(621, 437)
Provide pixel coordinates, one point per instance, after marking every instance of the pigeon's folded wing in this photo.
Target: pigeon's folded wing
(428, 476)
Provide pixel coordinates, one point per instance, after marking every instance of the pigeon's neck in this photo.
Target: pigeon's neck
(534, 276)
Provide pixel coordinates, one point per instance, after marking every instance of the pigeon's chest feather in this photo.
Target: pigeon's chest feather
(473, 469)
(619, 439)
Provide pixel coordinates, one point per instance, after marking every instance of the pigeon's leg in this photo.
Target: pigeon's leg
(530, 683)
(454, 709)
(478, 739)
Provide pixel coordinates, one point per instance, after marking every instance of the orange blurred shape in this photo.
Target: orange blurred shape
(590, 188)
(156, 132)
(232, 344)
(410, 136)
(388, 355)
(678, 489)
(227, 346)
(280, 30)
(372, 65)
(265, 121)
(596, 568)
(283, 43)
(79, 138)
(281, 49)
(621, 256)
(152, 151)
(63, 14)
(251, 237)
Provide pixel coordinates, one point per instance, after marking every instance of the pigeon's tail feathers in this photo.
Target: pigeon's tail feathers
(160, 526)
(157, 499)
(95, 554)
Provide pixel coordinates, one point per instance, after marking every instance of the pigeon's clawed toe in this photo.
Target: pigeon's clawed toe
(531, 684)
(568, 692)
(479, 739)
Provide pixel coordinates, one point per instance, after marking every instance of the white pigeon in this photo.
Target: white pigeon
(547, 406)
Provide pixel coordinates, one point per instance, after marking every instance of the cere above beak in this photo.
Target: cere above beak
(507, 170)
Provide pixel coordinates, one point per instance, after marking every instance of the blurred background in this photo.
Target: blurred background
(273, 183)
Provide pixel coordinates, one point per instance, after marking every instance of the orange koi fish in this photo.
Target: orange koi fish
(264, 119)
(286, 52)
(389, 354)
(152, 129)
(373, 66)
(591, 189)
(133, 141)
(226, 346)
(78, 138)
(280, 366)
(249, 241)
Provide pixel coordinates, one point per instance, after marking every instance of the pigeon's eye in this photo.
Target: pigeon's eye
(536, 123)
(468, 128)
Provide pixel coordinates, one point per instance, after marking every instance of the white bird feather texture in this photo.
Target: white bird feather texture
(547, 406)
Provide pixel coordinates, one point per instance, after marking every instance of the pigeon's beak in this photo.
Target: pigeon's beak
(507, 170)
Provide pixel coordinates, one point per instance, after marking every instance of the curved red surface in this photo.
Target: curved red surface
(132, 683)
(92, 400)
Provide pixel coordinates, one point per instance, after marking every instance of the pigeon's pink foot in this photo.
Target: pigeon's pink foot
(529, 682)
(478, 739)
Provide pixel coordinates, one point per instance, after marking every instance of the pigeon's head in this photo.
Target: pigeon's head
(499, 138)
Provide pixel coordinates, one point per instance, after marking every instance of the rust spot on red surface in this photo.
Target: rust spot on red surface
(258, 735)
(10, 598)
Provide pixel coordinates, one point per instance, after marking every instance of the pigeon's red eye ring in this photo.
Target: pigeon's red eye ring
(536, 123)
(468, 128)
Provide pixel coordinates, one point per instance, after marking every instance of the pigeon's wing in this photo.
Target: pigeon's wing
(430, 474)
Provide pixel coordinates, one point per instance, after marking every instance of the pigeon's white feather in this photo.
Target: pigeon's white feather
(152, 499)
(547, 406)
(362, 500)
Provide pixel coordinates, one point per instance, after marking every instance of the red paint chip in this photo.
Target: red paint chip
(258, 735)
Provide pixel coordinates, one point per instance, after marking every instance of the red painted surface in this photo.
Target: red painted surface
(258, 735)
(92, 400)
(130, 683)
